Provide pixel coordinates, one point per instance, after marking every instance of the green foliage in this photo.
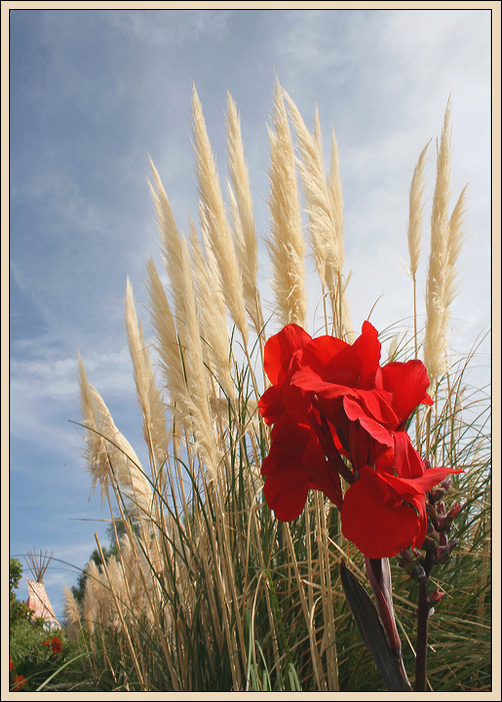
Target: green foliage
(18, 610)
(42, 660)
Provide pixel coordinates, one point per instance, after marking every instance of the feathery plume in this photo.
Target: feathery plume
(336, 196)
(212, 312)
(285, 243)
(73, 623)
(242, 215)
(167, 229)
(455, 240)
(93, 596)
(110, 457)
(192, 404)
(436, 327)
(318, 132)
(415, 232)
(150, 401)
(167, 345)
(324, 209)
(416, 212)
(197, 408)
(218, 227)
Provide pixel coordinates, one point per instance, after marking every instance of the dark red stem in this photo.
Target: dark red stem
(423, 612)
(422, 634)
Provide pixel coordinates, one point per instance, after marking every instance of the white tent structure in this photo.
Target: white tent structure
(38, 600)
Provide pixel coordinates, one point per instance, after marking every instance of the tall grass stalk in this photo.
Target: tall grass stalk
(208, 592)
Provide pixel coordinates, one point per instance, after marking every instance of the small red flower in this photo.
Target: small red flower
(19, 681)
(55, 644)
(11, 664)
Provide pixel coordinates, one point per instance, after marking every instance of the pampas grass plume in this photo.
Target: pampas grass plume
(149, 398)
(416, 212)
(218, 227)
(437, 313)
(285, 243)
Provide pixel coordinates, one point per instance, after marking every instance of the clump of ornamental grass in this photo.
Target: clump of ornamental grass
(208, 590)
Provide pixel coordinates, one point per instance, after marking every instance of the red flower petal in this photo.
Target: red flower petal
(408, 382)
(407, 461)
(270, 404)
(279, 350)
(408, 487)
(295, 464)
(378, 529)
(368, 348)
(373, 404)
(321, 356)
(286, 489)
(330, 366)
(323, 475)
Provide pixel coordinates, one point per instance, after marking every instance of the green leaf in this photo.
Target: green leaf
(372, 631)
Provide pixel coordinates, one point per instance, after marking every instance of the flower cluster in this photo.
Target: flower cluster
(37, 666)
(54, 644)
(336, 412)
(17, 681)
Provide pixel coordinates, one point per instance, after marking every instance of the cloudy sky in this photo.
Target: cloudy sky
(93, 92)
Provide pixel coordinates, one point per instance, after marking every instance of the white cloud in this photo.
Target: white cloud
(44, 395)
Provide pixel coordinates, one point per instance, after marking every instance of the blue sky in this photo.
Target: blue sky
(93, 92)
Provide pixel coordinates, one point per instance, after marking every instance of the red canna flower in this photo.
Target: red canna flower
(329, 400)
(19, 681)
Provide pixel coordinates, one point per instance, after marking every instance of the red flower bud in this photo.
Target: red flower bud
(436, 494)
(431, 512)
(443, 538)
(405, 557)
(436, 596)
(444, 552)
(453, 511)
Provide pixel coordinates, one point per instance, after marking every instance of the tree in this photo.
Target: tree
(17, 610)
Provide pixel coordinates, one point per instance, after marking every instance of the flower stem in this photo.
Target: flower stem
(422, 633)
(423, 611)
